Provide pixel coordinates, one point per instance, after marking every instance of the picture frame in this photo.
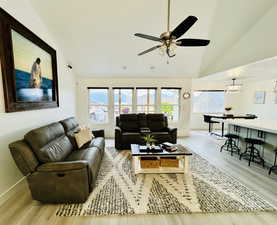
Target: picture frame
(29, 68)
(259, 97)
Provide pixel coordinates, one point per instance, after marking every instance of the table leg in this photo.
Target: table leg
(186, 164)
(135, 164)
(222, 129)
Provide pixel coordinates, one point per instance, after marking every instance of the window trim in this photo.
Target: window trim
(179, 102)
(216, 90)
(148, 99)
(106, 105)
(119, 99)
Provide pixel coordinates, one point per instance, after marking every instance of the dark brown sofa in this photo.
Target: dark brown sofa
(56, 171)
(130, 128)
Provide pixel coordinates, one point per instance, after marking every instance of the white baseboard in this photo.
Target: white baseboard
(18, 186)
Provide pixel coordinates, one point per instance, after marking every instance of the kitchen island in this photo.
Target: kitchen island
(260, 129)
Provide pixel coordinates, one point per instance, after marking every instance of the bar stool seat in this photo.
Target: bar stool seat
(251, 152)
(254, 141)
(234, 136)
(230, 144)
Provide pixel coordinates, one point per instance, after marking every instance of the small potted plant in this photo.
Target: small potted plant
(149, 139)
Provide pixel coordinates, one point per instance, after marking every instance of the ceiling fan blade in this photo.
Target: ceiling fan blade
(192, 42)
(145, 36)
(183, 27)
(149, 50)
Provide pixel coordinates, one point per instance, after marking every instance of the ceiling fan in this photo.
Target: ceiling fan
(168, 40)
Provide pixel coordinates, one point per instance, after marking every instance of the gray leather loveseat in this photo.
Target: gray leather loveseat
(56, 171)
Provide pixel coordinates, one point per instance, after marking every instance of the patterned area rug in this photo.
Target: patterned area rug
(119, 191)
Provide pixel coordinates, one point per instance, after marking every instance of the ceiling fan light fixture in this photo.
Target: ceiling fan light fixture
(168, 40)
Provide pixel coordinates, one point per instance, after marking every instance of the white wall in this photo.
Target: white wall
(14, 125)
(263, 111)
(82, 99)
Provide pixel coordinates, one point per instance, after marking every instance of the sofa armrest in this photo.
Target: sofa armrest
(118, 130)
(172, 130)
(173, 134)
(62, 166)
(118, 135)
(98, 133)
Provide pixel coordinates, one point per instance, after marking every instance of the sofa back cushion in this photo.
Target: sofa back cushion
(49, 143)
(156, 122)
(142, 120)
(69, 124)
(55, 151)
(129, 122)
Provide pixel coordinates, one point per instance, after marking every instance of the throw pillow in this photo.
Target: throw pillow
(83, 136)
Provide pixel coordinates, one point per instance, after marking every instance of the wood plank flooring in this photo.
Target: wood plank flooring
(21, 210)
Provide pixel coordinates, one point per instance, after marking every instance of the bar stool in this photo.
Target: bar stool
(230, 144)
(252, 152)
(274, 167)
(207, 119)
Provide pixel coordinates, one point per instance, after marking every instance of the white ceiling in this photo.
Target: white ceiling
(261, 70)
(97, 36)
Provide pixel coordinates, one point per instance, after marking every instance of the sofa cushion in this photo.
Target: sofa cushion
(93, 157)
(55, 151)
(129, 122)
(132, 137)
(40, 137)
(142, 120)
(71, 137)
(98, 143)
(69, 124)
(156, 122)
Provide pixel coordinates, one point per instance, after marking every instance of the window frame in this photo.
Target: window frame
(216, 90)
(119, 100)
(99, 105)
(148, 99)
(178, 104)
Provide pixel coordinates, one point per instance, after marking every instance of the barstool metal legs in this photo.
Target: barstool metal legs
(274, 167)
(231, 146)
(253, 153)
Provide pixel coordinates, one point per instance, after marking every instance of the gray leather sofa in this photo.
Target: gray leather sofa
(56, 171)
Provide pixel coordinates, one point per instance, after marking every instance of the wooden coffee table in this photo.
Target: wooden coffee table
(182, 154)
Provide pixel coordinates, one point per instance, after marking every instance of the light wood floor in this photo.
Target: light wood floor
(21, 210)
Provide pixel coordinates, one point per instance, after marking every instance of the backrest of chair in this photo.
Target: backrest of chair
(69, 124)
(207, 119)
(157, 122)
(49, 143)
(129, 122)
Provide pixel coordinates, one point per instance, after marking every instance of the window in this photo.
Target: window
(170, 103)
(98, 105)
(208, 101)
(123, 101)
(146, 100)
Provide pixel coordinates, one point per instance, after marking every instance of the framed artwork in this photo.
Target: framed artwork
(29, 68)
(259, 97)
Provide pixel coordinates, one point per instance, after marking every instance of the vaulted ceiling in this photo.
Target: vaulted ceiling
(97, 36)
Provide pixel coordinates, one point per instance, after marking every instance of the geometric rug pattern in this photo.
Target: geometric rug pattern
(118, 191)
